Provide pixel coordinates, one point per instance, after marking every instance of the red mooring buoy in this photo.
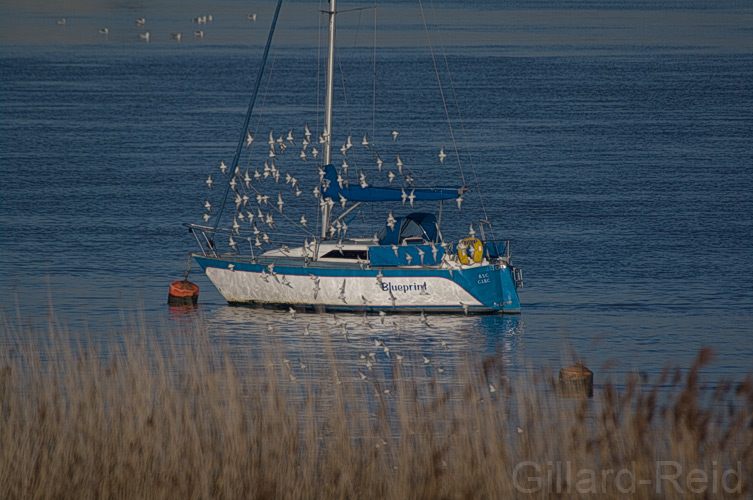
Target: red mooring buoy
(183, 293)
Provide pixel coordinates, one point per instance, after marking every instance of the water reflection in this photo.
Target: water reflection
(360, 345)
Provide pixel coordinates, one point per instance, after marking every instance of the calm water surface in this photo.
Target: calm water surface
(614, 147)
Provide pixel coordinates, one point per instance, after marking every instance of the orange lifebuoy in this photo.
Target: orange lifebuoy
(470, 250)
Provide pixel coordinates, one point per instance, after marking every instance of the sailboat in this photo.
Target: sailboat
(406, 266)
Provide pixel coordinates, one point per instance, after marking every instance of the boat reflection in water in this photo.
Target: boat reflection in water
(308, 346)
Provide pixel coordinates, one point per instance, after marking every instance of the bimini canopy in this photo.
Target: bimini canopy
(334, 189)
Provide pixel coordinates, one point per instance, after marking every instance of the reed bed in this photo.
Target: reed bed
(198, 421)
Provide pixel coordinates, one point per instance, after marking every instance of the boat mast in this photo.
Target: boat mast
(326, 208)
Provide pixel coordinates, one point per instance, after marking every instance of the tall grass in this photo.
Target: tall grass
(196, 422)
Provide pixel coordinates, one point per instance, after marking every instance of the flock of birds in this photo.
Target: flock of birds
(246, 186)
(178, 36)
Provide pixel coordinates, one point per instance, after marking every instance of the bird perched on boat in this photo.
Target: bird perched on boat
(209, 181)
(442, 155)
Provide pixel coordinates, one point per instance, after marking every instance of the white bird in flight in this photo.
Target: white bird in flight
(394, 135)
(442, 155)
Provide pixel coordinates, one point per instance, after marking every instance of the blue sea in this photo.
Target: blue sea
(612, 144)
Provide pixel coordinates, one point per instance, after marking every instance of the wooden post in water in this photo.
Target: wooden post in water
(576, 382)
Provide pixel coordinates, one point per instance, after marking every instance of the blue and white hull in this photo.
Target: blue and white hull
(325, 286)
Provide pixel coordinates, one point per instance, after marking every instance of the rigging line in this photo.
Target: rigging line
(346, 106)
(441, 92)
(463, 131)
(373, 79)
(248, 113)
(318, 101)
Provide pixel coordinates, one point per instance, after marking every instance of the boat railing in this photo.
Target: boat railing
(207, 239)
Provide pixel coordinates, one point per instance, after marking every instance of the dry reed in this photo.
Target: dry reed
(150, 421)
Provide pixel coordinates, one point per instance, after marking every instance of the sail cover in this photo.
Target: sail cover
(335, 190)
